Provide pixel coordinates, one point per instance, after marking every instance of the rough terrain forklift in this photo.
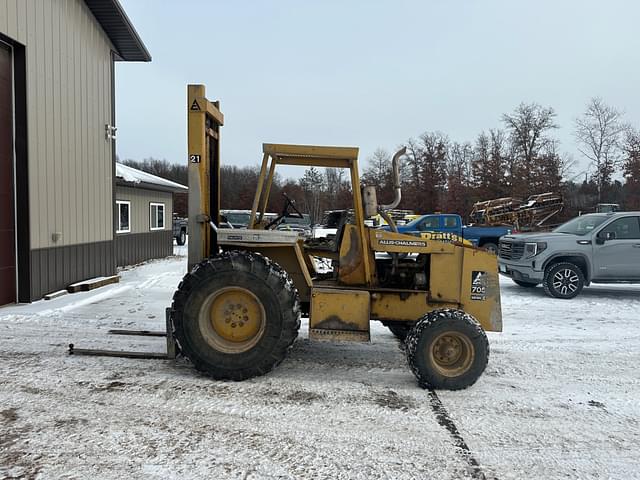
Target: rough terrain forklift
(237, 311)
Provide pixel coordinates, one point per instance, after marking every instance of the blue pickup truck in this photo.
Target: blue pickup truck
(451, 225)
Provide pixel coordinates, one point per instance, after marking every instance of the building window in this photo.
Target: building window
(124, 216)
(156, 214)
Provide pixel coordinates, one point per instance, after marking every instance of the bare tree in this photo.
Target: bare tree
(458, 162)
(433, 153)
(528, 126)
(313, 187)
(379, 166)
(338, 189)
(490, 164)
(631, 168)
(458, 177)
(378, 174)
(598, 133)
(480, 163)
(550, 168)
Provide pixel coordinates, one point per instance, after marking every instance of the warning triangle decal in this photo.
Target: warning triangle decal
(195, 106)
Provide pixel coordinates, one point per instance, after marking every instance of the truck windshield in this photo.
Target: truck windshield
(238, 219)
(581, 225)
(305, 220)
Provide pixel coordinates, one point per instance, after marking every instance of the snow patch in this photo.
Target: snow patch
(559, 398)
(133, 175)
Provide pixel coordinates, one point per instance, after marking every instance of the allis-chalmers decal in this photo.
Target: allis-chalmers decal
(402, 243)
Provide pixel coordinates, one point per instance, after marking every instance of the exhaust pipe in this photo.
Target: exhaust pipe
(395, 176)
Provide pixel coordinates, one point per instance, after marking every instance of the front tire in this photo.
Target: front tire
(236, 315)
(447, 349)
(563, 280)
(181, 239)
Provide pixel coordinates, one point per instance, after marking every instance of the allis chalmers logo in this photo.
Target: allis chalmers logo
(402, 243)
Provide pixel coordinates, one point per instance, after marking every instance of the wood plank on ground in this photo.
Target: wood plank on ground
(92, 283)
(52, 295)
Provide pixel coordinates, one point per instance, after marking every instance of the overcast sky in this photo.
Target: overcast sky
(370, 74)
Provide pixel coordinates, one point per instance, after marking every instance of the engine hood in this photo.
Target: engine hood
(539, 237)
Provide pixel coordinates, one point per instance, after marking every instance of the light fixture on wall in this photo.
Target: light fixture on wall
(110, 132)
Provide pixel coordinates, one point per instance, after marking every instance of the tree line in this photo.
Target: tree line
(517, 159)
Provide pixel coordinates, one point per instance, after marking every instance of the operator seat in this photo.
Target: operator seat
(333, 245)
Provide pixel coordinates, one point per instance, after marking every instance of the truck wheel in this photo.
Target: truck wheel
(491, 247)
(181, 239)
(235, 316)
(399, 329)
(525, 284)
(563, 280)
(447, 349)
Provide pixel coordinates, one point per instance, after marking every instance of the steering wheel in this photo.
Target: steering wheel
(285, 212)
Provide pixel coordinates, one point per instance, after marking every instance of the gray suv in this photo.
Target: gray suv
(594, 248)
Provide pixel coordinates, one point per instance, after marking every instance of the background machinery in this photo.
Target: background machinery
(237, 312)
(522, 215)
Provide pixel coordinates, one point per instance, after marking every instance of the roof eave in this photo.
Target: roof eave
(117, 26)
(149, 186)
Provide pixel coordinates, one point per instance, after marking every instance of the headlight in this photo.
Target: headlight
(534, 248)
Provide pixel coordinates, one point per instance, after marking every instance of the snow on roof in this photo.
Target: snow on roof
(133, 175)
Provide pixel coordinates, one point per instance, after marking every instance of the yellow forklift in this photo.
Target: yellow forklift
(236, 313)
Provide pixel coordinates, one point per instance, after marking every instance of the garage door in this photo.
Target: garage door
(7, 221)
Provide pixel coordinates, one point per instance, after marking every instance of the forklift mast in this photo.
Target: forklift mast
(204, 120)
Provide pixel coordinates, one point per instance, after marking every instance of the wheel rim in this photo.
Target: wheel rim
(566, 281)
(452, 353)
(232, 320)
(491, 249)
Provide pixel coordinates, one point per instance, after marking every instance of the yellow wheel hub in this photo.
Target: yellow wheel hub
(232, 320)
(452, 353)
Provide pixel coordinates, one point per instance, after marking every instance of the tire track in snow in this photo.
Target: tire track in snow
(153, 281)
(443, 418)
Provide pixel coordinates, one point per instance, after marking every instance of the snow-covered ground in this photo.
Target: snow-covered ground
(560, 397)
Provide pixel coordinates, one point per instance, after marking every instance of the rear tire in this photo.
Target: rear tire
(236, 316)
(491, 247)
(447, 349)
(563, 280)
(399, 329)
(181, 239)
(525, 284)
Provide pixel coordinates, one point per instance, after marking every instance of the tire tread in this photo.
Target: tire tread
(426, 322)
(259, 266)
(548, 276)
